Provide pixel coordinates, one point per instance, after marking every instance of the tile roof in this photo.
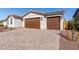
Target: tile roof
(46, 14)
(15, 16)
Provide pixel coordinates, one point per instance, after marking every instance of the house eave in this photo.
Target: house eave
(46, 14)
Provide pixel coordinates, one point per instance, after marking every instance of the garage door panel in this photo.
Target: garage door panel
(53, 23)
(27, 23)
(33, 23)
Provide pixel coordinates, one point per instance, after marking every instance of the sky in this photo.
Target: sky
(4, 12)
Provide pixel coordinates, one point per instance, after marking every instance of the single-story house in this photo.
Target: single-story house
(38, 20)
(14, 21)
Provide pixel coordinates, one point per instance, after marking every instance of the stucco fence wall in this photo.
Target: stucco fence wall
(68, 41)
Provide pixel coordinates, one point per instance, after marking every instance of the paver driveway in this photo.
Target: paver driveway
(32, 39)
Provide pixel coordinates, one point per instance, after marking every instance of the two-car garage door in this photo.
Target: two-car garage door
(52, 23)
(32, 23)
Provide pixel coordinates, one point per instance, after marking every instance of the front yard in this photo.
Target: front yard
(35, 39)
(24, 38)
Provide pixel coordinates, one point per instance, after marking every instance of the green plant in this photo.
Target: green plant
(75, 26)
(70, 27)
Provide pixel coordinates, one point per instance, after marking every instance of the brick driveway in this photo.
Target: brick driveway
(32, 39)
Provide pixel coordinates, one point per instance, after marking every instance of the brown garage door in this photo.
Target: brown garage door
(32, 23)
(53, 23)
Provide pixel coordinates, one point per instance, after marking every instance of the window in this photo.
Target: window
(11, 21)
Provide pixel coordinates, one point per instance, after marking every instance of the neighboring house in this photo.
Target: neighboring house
(76, 15)
(14, 21)
(38, 20)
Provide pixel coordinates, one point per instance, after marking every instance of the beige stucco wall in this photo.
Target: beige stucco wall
(54, 15)
(17, 23)
(32, 15)
(43, 23)
(23, 23)
(62, 24)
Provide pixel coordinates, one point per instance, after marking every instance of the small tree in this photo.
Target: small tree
(74, 24)
(70, 25)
